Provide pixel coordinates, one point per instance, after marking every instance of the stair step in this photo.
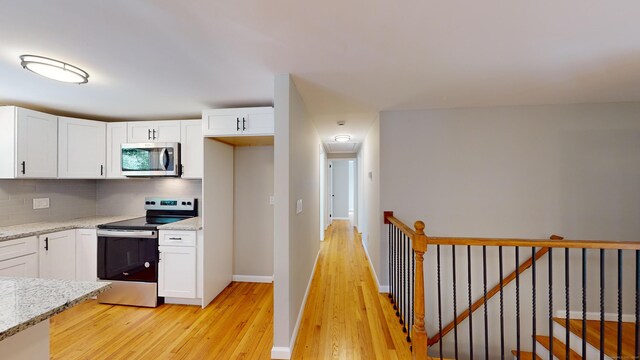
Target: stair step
(610, 335)
(559, 348)
(524, 355)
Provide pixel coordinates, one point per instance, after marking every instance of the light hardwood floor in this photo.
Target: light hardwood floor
(345, 318)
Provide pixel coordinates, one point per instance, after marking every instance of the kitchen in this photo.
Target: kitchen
(72, 182)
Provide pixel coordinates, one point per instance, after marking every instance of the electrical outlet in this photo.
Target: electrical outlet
(41, 203)
(272, 200)
(298, 206)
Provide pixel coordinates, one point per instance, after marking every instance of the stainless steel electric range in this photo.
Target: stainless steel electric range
(128, 252)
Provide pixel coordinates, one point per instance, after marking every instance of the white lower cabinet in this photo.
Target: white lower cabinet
(86, 255)
(19, 257)
(57, 255)
(177, 268)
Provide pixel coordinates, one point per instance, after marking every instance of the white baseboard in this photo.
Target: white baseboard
(253, 278)
(182, 301)
(596, 316)
(381, 289)
(304, 303)
(280, 352)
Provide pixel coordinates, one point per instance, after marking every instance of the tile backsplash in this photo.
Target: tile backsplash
(68, 199)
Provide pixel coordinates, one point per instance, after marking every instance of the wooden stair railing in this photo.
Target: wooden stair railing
(620, 343)
(478, 303)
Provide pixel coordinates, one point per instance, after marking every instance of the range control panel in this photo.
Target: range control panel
(161, 203)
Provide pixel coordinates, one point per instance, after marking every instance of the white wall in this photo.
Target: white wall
(525, 172)
(126, 196)
(296, 235)
(253, 215)
(369, 213)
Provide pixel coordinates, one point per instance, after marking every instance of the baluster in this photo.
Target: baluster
(637, 327)
(550, 300)
(439, 299)
(601, 304)
(402, 296)
(455, 310)
(517, 303)
(395, 264)
(566, 303)
(501, 305)
(403, 312)
(533, 298)
(486, 315)
(469, 297)
(397, 270)
(619, 304)
(584, 303)
(412, 272)
(390, 229)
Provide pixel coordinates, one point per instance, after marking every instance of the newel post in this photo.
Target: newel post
(419, 342)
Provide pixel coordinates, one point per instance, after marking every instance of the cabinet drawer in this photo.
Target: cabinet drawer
(178, 238)
(13, 248)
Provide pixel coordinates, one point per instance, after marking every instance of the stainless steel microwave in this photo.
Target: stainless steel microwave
(150, 159)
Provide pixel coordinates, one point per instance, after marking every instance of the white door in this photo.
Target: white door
(222, 122)
(57, 255)
(140, 131)
(116, 136)
(258, 121)
(340, 188)
(37, 144)
(192, 148)
(167, 131)
(177, 271)
(23, 266)
(86, 255)
(81, 148)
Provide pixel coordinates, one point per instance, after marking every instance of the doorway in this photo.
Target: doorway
(342, 190)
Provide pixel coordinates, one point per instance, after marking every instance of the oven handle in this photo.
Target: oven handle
(128, 234)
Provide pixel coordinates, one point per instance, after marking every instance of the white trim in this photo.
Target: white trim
(280, 352)
(596, 316)
(182, 301)
(253, 278)
(381, 289)
(294, 335)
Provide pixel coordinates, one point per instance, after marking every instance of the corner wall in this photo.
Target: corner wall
(296, 148)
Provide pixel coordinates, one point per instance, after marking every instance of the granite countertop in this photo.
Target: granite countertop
(24, 302)
(25, 230)
(188, 224)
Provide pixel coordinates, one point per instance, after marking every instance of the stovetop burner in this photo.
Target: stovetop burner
(160, 211)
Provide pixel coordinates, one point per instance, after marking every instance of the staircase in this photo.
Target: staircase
(591, 345)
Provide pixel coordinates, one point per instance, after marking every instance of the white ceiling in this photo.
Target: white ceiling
(350, 59)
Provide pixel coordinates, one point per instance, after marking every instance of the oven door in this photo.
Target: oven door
(151, 159)
(128, 255)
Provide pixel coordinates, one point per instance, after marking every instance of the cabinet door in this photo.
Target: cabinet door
(116, 136)
(258, 121)
(140, 131)
(222, 122)
(167, 131)
(81, 148)
(23, 266)
(37, 144)
(86, 255)
(192, 149)
(177, 272)
(57, 255)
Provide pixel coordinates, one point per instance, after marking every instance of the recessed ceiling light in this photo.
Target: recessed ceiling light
(54, 69)
(342, 138)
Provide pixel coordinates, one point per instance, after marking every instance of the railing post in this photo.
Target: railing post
(419, 342)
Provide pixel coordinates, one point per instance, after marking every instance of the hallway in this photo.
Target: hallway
(345, 317)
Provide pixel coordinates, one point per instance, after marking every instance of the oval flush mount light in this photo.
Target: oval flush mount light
(342, 138)
(54, 69)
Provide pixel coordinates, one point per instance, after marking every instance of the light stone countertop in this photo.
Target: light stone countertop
(31, 229)
(188, 224)
(24, 302)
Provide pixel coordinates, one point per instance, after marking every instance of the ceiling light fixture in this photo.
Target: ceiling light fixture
(342, 138)
(54, 69)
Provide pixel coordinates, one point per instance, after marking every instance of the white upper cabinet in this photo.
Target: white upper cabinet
(153, 131)
(28, 143)
(192, 148)
(256, 121)
(81, 149)
(116, 136)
